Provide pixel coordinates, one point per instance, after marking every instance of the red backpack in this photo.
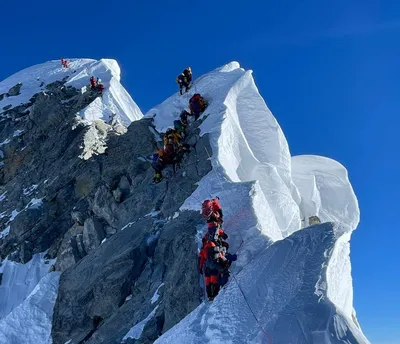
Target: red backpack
(207, 208)
(196, 97)
(216, 205)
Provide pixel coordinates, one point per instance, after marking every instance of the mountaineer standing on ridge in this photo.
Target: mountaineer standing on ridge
(64, 63)
(184, 79)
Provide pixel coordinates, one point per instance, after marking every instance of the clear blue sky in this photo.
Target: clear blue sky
(329, 71)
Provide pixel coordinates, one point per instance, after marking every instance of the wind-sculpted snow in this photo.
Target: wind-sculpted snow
(19, 280)
(30, 322)
(290, 284)
(247, 145)
(325, 190)
(247, 142)
(115, 103)
(281, 297)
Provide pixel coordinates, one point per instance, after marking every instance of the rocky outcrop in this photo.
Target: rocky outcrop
(15, 90)
(94, 213)
(134, 263)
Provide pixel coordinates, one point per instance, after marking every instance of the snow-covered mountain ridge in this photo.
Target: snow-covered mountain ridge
(290, 286)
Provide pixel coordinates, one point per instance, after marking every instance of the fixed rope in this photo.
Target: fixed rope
(233, 275)
(251, 311)
(229, 203)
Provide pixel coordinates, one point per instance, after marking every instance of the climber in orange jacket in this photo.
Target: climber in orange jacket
(212, 211)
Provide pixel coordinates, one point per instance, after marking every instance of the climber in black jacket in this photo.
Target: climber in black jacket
(184, 79)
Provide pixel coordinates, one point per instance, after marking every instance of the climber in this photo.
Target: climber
(93, 82)
(100, 87)
(179, 127)
(215, 235)
(197, 105)
(172, 134)
(184, 79)
(225, 262)
(64, 63)
(157, 164)
(212, 211)
(210, 267)
(170, 154)
(184, 118)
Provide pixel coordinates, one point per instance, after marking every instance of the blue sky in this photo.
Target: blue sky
(329, 71)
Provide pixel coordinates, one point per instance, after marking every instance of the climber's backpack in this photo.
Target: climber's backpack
(178, 125)
(196, 97)
(207, 208)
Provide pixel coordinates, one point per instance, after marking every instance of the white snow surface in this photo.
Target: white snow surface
(19, 280)
(115, 103)
(267, 196)
(325, 190)
(136, 331)
(280, 298)
(30, 322)
(248, 144)
(156, 295)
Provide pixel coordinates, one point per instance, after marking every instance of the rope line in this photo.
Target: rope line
(233, 275)
(248, 305)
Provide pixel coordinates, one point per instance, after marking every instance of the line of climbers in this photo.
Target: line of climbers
(214, 259)
(96, 84)
(174, 146)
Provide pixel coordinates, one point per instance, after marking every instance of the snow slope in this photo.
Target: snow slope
(284, 301)
(266, 194)
(19, 280)
(115, 103)
(27, 297)
(248, 144)
(31, 321)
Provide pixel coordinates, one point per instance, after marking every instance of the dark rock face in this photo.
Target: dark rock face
(94, 216)
(15, 90)
(125, 265)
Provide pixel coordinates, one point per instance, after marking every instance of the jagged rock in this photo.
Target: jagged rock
(7, 107)
(123, 189)
(78, 217)
(314, 220)
(106, 274)
(104, 205)
(2, 96)
(68, 252)
(74, 190)
(175, 259)
(15, 90)
(25, 254)
(25, 221)
(93, 234)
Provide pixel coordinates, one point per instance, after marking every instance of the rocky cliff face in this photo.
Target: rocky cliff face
(115, 237)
